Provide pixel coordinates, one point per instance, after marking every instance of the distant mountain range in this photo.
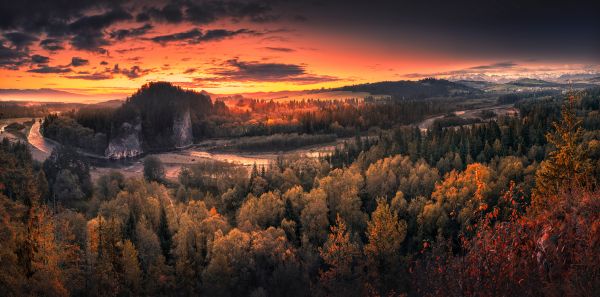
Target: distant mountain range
(399, 89)
(51, 95)
(531, 83)
(580, 77)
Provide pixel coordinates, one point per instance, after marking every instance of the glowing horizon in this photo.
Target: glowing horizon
(107, 51)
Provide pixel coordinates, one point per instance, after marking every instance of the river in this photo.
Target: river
(42, 147)
(500, 110)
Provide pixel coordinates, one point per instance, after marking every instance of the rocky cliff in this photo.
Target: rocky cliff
(127, 143)
(182, 129)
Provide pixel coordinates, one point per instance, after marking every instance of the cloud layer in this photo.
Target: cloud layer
(280, 42)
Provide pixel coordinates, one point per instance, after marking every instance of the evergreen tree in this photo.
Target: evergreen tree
(164, 235)
(385, 234)
(567, 166)
(340, 255)
(129, 228)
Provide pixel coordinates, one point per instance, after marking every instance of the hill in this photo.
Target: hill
(476, 84)
(406, 89)
(158, 116)
(531, 82)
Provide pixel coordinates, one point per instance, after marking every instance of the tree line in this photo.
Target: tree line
(405, 213)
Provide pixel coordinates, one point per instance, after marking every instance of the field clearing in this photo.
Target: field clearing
(500, 110)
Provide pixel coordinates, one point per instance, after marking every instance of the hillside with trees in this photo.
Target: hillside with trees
(502, 208)
(156, 107)
(406, 89)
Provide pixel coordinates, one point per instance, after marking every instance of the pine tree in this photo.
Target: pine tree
(340, 254)
(164, 235)
(385, 234)
(567, 167)
(129, 228)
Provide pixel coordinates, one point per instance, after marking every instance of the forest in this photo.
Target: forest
(91, 128)
(505, 207)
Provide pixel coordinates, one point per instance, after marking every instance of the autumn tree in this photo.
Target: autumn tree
(341, 257)
(132, 274)
(457, 202)
(385, 234)
(192, 244)
(342, 187)
(262, 212)
(314, 219)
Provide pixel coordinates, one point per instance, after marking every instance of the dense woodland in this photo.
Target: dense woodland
(91, 128)
(501, 208)
(424, 88)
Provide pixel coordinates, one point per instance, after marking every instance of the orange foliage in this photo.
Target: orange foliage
(554, 253)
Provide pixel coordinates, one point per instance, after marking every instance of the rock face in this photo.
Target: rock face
(126, 144)
(182, 129)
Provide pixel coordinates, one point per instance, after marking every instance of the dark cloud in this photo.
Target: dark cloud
(133, 49)
(280, 49)
(110, 73)
(512, 30)
(265, 70)
(170, 13)
(50, 69)
(11, 58)
(134, 72)
(103, 63)
(192, 34)
(237, 70)
(196, 36)
(37, 16)
(76, 62)
(51, 44)
(500, 65)
(142, 17)
(131, 73)
(20, 39)
(255, 11)
(204, 12)
(190, 70)
(92, 41)
(88, 30)
(91, 76)
(99, 21)
(134, 32)
(38, 59)
(219, 34)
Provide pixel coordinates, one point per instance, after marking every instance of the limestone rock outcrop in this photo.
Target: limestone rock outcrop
(182, 130)
(127, 143)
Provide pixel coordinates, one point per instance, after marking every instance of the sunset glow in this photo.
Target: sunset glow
(108, 51)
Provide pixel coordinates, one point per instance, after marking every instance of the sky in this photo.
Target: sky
(110, 47)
